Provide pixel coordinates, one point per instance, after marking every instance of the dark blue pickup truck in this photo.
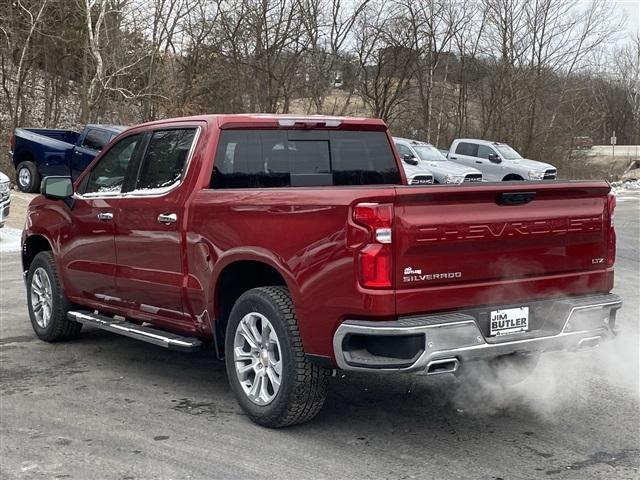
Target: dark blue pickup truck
(42, 152)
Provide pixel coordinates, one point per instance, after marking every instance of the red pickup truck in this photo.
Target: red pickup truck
(291, 246)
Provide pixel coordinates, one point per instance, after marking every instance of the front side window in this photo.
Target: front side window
(508, 152)
(108, 175)
(429, 153)
(484, 151)
(403, 150)
(96, 139)
(165, 158)
(281, 158)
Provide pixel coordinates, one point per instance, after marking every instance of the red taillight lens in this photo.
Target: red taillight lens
(375, 259)
(611, 247)
(374, 215)
(375, 266)
(12, 142)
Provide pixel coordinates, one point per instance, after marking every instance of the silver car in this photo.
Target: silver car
(423, 157)
(5, 200)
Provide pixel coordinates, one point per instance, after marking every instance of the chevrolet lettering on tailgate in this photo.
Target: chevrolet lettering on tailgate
(557, 226)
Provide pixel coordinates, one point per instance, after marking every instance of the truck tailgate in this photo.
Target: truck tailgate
(499, 244)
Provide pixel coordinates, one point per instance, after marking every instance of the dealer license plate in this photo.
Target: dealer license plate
(509, 320)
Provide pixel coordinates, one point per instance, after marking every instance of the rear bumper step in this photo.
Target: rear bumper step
(440, 343)
(161, 338)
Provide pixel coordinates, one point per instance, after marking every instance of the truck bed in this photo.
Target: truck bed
(66, 136)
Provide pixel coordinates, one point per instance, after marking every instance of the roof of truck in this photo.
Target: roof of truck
(273, 120)
(478, 141)
(412, 141)
(107, 126)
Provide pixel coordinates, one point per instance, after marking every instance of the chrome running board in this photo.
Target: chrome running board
(161, 338)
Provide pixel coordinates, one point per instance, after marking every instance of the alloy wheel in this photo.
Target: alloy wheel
(257, 357)
(41, 297)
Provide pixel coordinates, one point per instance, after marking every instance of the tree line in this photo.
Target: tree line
(534, 73)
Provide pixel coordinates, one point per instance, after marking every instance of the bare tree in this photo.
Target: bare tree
(16, 76)
(386, 60)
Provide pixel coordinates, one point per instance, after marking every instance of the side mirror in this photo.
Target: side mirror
(494, 158)
(57, 188)
(410, 159)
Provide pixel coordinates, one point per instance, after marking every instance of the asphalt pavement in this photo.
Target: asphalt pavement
(108, 407)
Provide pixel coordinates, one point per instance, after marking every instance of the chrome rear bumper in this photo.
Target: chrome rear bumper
(439, 343)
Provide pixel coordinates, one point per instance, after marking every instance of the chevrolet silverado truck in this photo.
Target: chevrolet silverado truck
(41, 152)
(292, 247)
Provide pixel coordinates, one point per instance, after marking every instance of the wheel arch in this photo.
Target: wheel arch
(33, 245)
(512, 176)
(23, 155)
(238, 275)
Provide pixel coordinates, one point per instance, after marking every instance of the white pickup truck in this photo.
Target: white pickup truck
(498, 161)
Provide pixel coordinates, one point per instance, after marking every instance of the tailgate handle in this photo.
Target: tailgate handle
(515, 198)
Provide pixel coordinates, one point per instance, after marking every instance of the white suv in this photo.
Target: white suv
(498, 161)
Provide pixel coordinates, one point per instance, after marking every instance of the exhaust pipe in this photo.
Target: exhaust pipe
(589, 342)
(443, 365)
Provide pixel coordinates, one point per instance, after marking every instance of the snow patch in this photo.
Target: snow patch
(624, 187)
(10, 239)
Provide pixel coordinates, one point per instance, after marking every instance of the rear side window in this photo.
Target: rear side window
(165, 158)
(470, 149)
(96, 139)
(290, 158)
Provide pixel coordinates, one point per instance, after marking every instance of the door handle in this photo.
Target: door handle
(479, 161)
(105, 216)
(167, 218)
(454, 158)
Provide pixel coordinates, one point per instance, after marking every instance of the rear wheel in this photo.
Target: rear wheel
(27, 177)
(47, 303)
(268, 371)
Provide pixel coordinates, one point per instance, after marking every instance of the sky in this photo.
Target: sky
(631, 12)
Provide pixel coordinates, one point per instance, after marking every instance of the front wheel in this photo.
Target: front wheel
(268, 371)
(47, 303)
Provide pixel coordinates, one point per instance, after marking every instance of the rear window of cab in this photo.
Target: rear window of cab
(296, 158)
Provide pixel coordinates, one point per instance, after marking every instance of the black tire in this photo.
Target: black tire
(303, 384)
(32, 184)
(506, 370)
(59, 327)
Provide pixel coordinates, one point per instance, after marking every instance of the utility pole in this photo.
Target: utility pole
(613, 144)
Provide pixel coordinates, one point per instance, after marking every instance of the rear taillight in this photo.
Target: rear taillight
(12, 143)
(611, 241)
(375, 263)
